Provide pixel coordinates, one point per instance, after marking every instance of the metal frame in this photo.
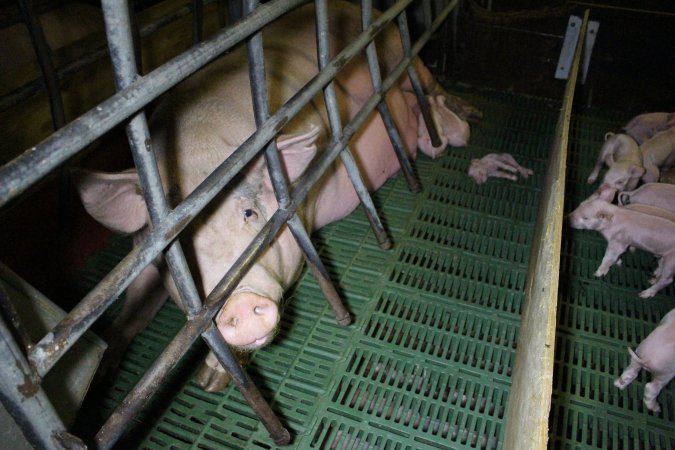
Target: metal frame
(134, 92)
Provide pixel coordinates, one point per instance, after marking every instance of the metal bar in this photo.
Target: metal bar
(59, 340)
(622, 8)
(42, 52)
(25, 170)
(197, 21)
(217, 297)
(383, 109)
(416, 84)
(530, 397)
(278, 432)
(25, 400)
(33, 87)
(9, 314)
(336, 128)
(259, 91)
(124, 413)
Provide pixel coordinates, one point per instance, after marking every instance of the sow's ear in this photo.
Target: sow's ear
(296, 151)
(113, 199)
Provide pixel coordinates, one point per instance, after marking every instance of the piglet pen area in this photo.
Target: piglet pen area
(435, 357)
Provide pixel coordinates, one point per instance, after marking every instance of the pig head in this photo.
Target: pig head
(622, 155)
(203, 120)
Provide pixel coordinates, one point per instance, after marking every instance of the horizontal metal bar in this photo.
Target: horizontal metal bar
(31, 166)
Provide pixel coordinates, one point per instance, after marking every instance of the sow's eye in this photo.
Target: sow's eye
(250, 215)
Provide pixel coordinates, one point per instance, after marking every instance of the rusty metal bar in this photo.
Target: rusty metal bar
(530, 396)
(24, 399)
(336, 129)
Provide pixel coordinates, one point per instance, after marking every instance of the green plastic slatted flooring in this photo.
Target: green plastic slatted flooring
(427, 363)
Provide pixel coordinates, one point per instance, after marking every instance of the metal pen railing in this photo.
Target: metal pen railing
(134, 93)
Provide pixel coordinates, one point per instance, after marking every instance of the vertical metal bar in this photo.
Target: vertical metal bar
(260, 107)
(197, 21)
(119, 35)
(336, 128)
(25, 400)
(415, 81)
(43, 54)
(278, 432)
(530, 397)
(383, 109)
(9, 314)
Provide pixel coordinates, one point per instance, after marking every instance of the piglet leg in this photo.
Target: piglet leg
(652, 390)
(524, 172)
(614, 251)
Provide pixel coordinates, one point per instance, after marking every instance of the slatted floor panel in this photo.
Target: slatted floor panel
(427, 363)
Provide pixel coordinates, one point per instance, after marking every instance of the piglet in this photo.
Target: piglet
(661, 195)
(624, 228)
(656, 354)
(490, 165)
(645, 126)
(658, 153)
(621, 154)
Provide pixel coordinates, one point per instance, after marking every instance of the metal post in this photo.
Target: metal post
(260, 107)
(336, 128)
(383, 109)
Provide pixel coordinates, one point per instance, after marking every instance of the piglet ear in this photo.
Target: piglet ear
(604, 216)
(113, 199)
(296, 151)
(606, 193)
(636, 171)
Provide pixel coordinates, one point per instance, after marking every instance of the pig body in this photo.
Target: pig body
(499, 165)
(658, 153)
(644, 126)
(624, 228)
(204, 119)
(661, 195)
(656, 354)
(622, 155)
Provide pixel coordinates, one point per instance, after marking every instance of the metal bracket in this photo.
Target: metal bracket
(570, 44)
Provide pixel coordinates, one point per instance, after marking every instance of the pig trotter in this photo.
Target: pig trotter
(212, 377)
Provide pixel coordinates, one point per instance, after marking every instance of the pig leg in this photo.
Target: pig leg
(500, 174)
(144, 298)
(213, 377)
(652, 390)
(666, 269)
(508, 159)
(630, 373)
(614, 250)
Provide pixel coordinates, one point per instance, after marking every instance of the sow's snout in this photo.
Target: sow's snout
(248, 321)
